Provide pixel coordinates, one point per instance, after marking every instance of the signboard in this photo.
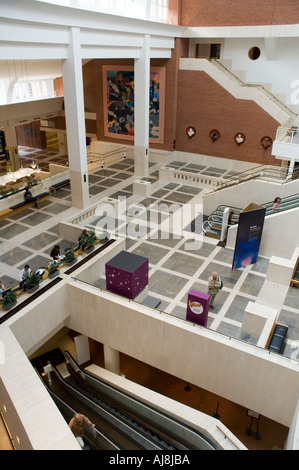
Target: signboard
(250, 229)
(198, 307)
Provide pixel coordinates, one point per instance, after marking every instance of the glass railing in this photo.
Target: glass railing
(216, 334)
(287, 135)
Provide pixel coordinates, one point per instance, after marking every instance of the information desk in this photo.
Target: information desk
(126, 274)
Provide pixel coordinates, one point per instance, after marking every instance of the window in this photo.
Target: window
(32, 90)
(254, 53)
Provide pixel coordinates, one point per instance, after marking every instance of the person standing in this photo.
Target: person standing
(77, 426)
(214, 285)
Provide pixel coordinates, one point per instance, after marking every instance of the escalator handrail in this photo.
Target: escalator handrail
(91, 434)
(170, 423)
(133, 433)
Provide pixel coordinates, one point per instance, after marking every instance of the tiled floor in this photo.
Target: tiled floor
(28, 237)
(175, 269)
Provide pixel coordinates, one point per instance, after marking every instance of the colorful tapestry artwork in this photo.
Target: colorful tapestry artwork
(118, 83)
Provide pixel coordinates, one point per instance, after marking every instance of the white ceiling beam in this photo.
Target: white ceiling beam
(160, 54)
(259, 31)
(159, 42)
(23, 51)
(110, 38)
(35, 33)
(109, 52)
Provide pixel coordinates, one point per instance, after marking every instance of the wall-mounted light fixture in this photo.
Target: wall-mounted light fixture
(214, 135)
(266, 142)
(190, 131)
(239, 138)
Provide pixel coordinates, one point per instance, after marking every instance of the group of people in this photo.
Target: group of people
(55, 252)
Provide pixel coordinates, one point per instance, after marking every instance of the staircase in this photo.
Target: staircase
(239, 89)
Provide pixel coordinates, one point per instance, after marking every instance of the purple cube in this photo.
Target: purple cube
(127, 274)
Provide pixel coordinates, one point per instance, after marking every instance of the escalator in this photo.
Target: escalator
(121, 421)
(120, 430)
(182, 436)
(212, 226)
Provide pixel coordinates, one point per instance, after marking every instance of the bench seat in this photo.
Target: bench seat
(24, 203)
(5, 213)
(53, 187)
(278, 338)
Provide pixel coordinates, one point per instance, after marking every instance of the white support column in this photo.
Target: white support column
(111, 359)
(82, 349)
(75, 121)
(141, 117)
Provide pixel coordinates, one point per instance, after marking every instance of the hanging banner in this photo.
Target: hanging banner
(250, 229)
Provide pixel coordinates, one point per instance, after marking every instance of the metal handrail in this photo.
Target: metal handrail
(261, 171)
(258, 87)
(148, 413)
(101, 156)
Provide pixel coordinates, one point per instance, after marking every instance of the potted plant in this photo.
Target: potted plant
(32, 181)
(89, 241)
(9, 300)
(53, 269)
(104, 237)
(70, 258)
(32, 282)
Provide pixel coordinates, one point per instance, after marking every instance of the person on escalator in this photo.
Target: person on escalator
(77, 426)
(230, 218)
(276, 205)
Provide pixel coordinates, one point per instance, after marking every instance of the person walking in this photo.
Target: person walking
(214, 285)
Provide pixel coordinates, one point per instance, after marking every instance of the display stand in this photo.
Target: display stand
(198, 307)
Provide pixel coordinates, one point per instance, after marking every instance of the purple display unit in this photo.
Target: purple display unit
(198, 307)
(127, 274)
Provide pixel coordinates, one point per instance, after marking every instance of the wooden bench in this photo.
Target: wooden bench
(277, 337)
(5, 213)
(22, 205)
(295, 275)
(59, 185)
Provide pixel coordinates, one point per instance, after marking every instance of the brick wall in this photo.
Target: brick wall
(238, 13)
(30, 135)
(205, 105)
(193, 99)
